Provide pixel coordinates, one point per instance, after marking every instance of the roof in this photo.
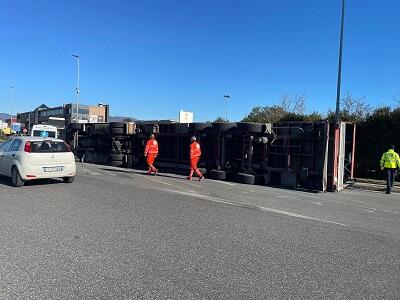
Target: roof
(35, 138)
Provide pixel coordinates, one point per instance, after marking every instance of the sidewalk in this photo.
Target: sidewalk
(373, 185)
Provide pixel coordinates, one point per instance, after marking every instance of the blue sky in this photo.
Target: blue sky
(149, 59)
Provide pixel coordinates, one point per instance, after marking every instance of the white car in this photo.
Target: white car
(25, 158)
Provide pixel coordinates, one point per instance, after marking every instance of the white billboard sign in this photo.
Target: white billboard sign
(185, 117)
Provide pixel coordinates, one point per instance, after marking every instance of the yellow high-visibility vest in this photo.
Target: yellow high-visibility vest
(390, 160)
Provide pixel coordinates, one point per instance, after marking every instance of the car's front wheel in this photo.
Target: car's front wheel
(69, 179)
(16, 178)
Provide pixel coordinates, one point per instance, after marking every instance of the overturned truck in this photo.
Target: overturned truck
(317, 156)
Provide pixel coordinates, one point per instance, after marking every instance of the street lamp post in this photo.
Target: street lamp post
(226, 106)
(12, 103)
(339, 81)
(77, 90)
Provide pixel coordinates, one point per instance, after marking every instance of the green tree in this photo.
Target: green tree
(291, 108)
(266, 114)
(220, 120)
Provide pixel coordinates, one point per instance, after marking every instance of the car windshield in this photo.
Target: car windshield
(44, 133)
(48, 147)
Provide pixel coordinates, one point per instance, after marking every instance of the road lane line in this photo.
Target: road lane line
(185, 181)
(222, 182)
(159, 181)
(266, 209)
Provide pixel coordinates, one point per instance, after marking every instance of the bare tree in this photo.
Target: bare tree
(354, 109)
(296, 104)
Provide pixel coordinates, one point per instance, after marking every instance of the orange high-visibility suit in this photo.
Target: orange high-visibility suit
(151, 152)
(195, 153)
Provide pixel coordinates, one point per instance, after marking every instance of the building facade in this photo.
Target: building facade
(62, 115)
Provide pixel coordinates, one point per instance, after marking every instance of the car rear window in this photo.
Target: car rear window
(48, 147)
(44, 133)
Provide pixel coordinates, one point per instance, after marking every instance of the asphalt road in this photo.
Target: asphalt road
(117, 233)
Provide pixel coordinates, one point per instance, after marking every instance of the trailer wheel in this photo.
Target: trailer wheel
(218, 174)
(116, 130)
(250, 127)
(223, 126)
(193, 127)
(245, 178)
(117, 125)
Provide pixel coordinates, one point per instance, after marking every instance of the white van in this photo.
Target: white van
(44, 131)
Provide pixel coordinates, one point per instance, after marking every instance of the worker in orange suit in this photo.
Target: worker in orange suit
(195, 153)
(151, 152)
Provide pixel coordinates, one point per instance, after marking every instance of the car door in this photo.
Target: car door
(10, 155)
(3, 150)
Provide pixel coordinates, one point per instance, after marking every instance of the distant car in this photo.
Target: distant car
(26, 158)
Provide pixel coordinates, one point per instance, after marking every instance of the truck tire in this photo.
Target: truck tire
(245, 178)
(223, 126)
(250, 127)
(193, 127)
(16, 180)
(218, 174)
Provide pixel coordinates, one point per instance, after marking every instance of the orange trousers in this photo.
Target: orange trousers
(150, 162)
(193, 167)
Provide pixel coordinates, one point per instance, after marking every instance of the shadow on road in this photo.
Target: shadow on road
(138, 172)
(7, 181)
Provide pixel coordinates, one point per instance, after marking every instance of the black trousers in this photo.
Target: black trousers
(390, 175)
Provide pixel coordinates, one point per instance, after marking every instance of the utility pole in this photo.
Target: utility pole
(12, 103)
(77, 90)
(339, 81)
(226, 107)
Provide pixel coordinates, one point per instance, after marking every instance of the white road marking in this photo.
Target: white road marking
(94, 173)
(267, 209)
(189, 183)
(159, 181)
(223, 182)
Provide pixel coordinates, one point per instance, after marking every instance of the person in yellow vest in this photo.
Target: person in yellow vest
(390, 162)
